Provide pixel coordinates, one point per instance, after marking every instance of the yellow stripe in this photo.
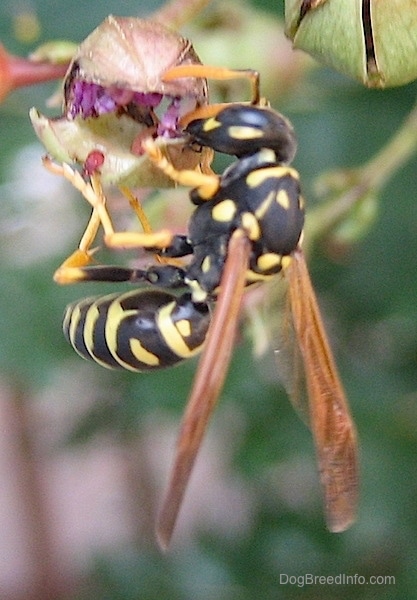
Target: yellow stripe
(258, 177)
(286, 261)
(170, 333)
(73, 317)
(90, 321)
(206, 264)
(89, 326)
(268, 261)
(241, 132)
(252, 277)
(115, 316)
(264, 206)
(224, 211)
(143, 355)
(267, 155)
(251, 226)
(184, 327)
(283, 199)
(198, 293)
(211, 124)
(74, 321)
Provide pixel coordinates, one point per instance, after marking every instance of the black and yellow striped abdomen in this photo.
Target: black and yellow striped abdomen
(138, 330)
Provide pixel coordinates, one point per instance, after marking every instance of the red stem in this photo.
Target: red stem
(19, 72)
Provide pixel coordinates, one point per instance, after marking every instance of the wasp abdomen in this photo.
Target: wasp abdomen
(139, 330)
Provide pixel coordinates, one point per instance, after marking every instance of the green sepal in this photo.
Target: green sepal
(332, 31)
(71, 141)
(57, 52)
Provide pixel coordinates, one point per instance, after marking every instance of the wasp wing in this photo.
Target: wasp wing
(209, 381)
(332, 426)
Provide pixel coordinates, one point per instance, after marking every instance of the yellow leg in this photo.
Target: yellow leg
(132, 239)
(137, 208)
(94, 195)
(207, 185)
(92, 192)
(220, 73)
(140, 213)
(82, 256)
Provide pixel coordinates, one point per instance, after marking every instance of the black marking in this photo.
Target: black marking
(371, 63)
(258, 195)
(135, 318)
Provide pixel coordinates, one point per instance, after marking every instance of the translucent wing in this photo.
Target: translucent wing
(209, 381)
(332, 426)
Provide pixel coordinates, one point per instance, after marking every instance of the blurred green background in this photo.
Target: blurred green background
(254, 512)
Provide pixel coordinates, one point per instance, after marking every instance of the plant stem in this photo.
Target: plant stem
(178, 12)
(369, 178)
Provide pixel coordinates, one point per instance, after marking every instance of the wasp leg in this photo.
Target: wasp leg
(132, 239)
(123, 239)
(220, 73)
(137, 208)
(165, 276)
(330, 421)
(143, 219)
(104, 273)
(82, 255)
(209, 381)
(207, 185)
(94, 194)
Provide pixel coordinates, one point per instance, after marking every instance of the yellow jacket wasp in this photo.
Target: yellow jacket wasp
(247, 227)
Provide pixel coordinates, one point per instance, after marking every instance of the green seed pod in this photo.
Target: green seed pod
(374, 41)
(132, 55)
(70, 141)
(115, 95)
